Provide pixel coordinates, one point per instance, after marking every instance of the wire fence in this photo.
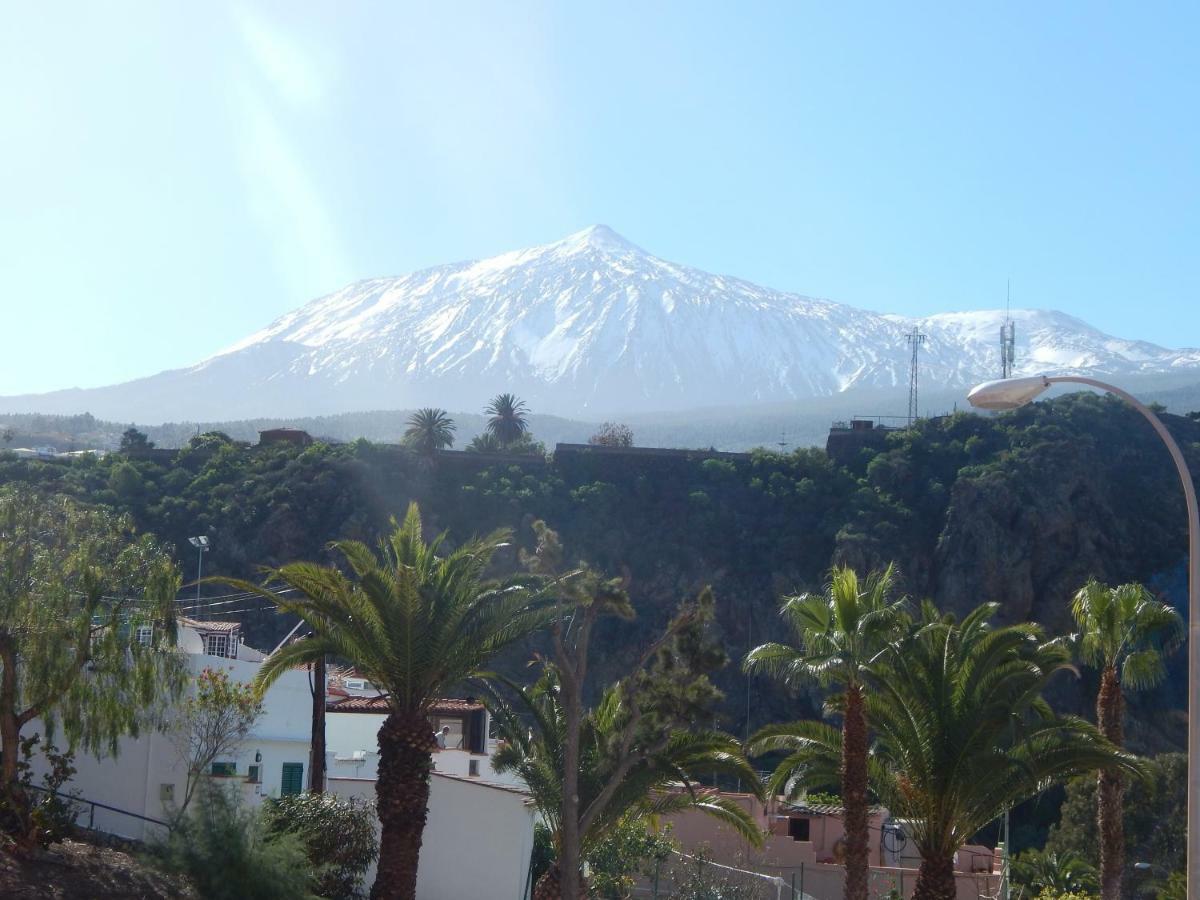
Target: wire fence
(685, 876)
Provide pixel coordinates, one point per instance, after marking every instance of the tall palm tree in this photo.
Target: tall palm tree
(665, 779)
(840, 634)
(962, 734)
(429, 429)
(415, 620)
(1124, 632)
(507, 418)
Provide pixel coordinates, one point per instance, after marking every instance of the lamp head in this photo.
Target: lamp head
(1008, 393)
(200, 543)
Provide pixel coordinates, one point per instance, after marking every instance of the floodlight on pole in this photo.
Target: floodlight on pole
(201, 543)
(1011, 393)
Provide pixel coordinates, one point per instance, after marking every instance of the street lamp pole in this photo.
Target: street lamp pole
(1014, 392)
(201, 543)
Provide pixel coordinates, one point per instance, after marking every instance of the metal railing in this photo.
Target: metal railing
(90, 807)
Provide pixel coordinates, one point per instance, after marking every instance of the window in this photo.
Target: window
(224, 769)
(254, 774)
(145, 634)
(217, 645)
(292, 781)
(798, 829)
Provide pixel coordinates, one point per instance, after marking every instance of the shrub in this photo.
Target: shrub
(227, 853)
(338, 836)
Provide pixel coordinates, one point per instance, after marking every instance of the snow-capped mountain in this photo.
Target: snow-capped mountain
(591, 326)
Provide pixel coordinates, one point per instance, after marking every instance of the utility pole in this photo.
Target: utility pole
(316, 766)
(916, 339)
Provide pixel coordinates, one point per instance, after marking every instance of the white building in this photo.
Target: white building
(477, 841)
(352, 726)
(147, 778)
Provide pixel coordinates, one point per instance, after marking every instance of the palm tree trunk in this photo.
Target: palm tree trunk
(854, 795)
(1110, 793)
(550, 887)
(935, 879)
(402, 795)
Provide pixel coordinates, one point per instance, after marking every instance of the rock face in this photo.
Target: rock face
(592, 326)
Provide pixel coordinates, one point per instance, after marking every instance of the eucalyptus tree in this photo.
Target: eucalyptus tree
(87, 632)
(416, 618)
(606, 761)
(1125, 632)
(840, 634)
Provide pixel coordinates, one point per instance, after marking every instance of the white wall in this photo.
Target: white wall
(477, 841)
(347, 732)
(133, 780)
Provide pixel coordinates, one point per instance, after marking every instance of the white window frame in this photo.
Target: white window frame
(145, 635)
(215, 640)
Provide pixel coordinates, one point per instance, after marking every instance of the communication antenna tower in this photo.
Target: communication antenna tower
(782, 443)
(915, 339)
(1008, 337)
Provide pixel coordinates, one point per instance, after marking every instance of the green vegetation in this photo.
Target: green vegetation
(228, 853)
(1154, 825)
(840, 635)
(87, 626)
(415, 620)
(1021, 508)
(638, 753)
(211, 723)
(338, 837)
(1125, 633)
(429, 430)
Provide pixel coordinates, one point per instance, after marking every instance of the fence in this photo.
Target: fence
(96, 816)
(684, 875)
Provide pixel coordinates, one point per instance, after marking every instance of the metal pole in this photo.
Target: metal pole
(199, 572)
(1193, 512)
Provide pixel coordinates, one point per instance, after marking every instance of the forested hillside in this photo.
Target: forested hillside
(1020, 508)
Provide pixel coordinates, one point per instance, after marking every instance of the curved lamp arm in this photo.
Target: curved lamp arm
(1193, 512)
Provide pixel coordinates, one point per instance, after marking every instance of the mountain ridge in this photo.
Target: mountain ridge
(592, 326)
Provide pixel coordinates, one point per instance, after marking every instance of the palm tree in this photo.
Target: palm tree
(663, 780)
(962, 734)
(507, 418)
(840, 634)
(415, 620)
(1124, 632)
(1061, 873)
(429, 429)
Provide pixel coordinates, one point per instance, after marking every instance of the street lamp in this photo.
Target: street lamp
(1011, 393)
(201, 543)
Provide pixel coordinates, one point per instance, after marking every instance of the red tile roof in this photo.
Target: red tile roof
(379, 705)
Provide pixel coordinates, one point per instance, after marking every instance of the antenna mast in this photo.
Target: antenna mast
(916, 339)
(1008, 337)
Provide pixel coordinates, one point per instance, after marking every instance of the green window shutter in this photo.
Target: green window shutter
(224, 769)
(293, 779)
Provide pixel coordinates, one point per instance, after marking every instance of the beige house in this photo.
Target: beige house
(804, 846)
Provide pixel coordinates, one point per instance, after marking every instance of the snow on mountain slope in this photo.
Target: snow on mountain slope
(588, 326)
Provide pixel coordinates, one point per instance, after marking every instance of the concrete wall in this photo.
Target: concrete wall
(348, 732)
(138, 778)
(477, 841)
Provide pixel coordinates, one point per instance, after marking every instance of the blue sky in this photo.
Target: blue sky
(174, 176)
